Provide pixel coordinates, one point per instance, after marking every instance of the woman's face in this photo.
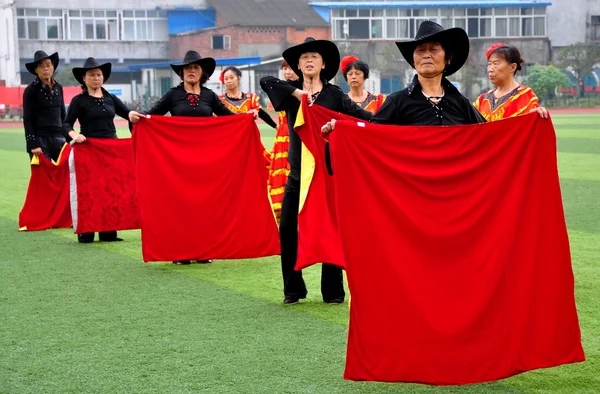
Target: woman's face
(500, 71)
(231, 80)
(429, 59)
(356, 78)
(311, 64)
(289, 74)
(93, 79)
(192, 74)
(44, 69)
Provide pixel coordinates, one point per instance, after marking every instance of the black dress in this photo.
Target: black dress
(180, 103)
(333, 98)
(43, 112)
(96, 120)
(411, 107)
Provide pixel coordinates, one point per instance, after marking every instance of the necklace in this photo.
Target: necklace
(434, 100)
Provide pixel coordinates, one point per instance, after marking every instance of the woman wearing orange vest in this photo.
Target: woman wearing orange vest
(356, 72)
(509, 98)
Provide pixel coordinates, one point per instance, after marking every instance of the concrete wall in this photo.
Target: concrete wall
(118, 50)
(9, 48)
(569, 21)
(111, 4)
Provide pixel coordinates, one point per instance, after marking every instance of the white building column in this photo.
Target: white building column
(9, 44)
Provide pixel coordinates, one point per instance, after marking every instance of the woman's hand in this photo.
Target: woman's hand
(135, 116)
(299, 93)
(543, 112)
(76, 137)
(36, 151)
(328, 127)
(254, 113)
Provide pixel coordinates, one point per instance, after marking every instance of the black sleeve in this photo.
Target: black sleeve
(162, 106)
(387, 113)
(63, 112)
(279, 92)
(349, 107)
(472, 114)
(72, 114)
(219, 108)
(28, 114)
(265, 116)
(120, 108)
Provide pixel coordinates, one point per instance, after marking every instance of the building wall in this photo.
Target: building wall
(111, 4)
(9, 48)
(569, 21)
(263, 41)
(77, 50)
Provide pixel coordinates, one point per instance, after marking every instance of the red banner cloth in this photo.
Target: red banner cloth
(103, 186)
(456, 249)
(203, 189)
(47, 200)
(318, 236)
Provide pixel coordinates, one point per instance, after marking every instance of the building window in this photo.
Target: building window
(39, 24)
(402, 23)
(221, 42)
(595, 25)
(141, 25)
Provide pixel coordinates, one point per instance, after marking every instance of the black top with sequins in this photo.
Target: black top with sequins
(95, 115)
(410, 107)
(43, 112)
(180, 103)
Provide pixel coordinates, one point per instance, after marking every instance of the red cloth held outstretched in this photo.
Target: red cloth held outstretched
(456, 249)
(203, 189)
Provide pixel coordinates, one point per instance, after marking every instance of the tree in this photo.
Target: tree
(580, 58)
(65, 76)
(544, 79)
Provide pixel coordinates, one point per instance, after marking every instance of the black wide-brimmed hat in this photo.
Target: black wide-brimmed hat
(90, 64)
(38, 57)
(208, 64)
(454, 40)
(327, 49)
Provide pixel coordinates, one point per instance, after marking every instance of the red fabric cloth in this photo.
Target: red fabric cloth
(318, 237)
(106, 197)
(456, 249)
(47, 200)
(203, 189)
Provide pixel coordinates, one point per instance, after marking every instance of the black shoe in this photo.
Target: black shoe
(117, 239)
(204, 261)
(290, 300)
(335, 301)
(181, 262)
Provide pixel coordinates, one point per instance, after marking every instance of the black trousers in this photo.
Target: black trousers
(51, 146)
(107, 236)
(332, 280)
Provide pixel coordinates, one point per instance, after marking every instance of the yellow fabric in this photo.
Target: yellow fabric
(35, 161)
(307, 164)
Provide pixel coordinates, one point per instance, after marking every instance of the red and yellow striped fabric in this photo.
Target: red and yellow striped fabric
(280, 168)
(523, 101)
(376, 103)
(249, 101)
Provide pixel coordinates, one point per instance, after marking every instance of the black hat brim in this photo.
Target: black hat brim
(208, 65)
(328, 51)
(454, 40)
(79, 72)
(33, 65)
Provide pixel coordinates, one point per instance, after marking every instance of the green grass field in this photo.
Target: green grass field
(96, 319)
